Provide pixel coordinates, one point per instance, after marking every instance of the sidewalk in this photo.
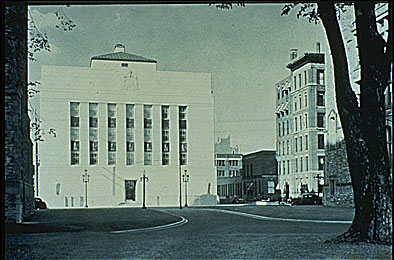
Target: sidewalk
(94, 220)
(307, 212)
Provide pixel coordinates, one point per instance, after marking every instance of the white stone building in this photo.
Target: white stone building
(121, 118)
(301, 124)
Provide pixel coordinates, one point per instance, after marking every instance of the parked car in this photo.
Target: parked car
(232, 200)
(39, 204)
(237, 200)
(307, 199)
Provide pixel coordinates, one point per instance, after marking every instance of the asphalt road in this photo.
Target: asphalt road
(208, 234)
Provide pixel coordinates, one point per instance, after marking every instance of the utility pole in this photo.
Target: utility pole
(37, 165)
(180, 177)
(186, 180)
(85, 179)
(143, 179)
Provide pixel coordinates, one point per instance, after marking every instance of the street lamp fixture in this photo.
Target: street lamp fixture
(85, 179)
(143, 179)
(185, 180)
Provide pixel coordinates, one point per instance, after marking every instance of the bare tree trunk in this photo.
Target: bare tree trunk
(364, 126)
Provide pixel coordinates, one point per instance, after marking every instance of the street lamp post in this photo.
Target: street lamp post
(85, 179)
(143, 179)
(185, 180)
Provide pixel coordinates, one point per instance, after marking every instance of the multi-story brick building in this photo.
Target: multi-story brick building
(300, 121)
(260, 175)
(18, 167)
(118, 119)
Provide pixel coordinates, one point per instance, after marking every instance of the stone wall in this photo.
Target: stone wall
(19, 170)
(338, 189)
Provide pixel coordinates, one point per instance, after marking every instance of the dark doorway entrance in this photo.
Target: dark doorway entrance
(130, 189)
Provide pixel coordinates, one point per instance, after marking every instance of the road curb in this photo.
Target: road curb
(281, 219)
(176, 224)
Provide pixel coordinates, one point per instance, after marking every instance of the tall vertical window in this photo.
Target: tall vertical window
(320, 119)
(279, 129)
(296, 164)
(165, 132)
(299, 80)
(306, 143)
(300, 100)
(182, 135)
(301, 168)
(320, 77)
(295, 124)
(287, 127)
(300, 122)
(129, 134)
(283, 148)
(280, 168)
(305, 79)
(320, 141)
(306, 120)
(148, 135)
(288, 166)
(306, 99)
(306, 163)
(295, 104)
(111, 113)
(288, 152)
(296, 144)
(74, 132)
(93, 133)
(320, 98)
(321, 160)
(300, 143)
(295, 83)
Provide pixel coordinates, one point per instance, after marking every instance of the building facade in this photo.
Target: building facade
(300, 125)
(260, 175)
(228, 171)
(18, 166)
(118, 120)
(223, 146)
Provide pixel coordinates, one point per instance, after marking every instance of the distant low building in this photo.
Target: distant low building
(228, 172)
(260, 175)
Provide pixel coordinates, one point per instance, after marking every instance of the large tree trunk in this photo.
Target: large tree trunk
(364, 125)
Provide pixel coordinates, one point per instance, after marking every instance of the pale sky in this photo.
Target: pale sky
(245, 49)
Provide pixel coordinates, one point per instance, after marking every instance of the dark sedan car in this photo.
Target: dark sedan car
(307, 199)
(40, 204)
